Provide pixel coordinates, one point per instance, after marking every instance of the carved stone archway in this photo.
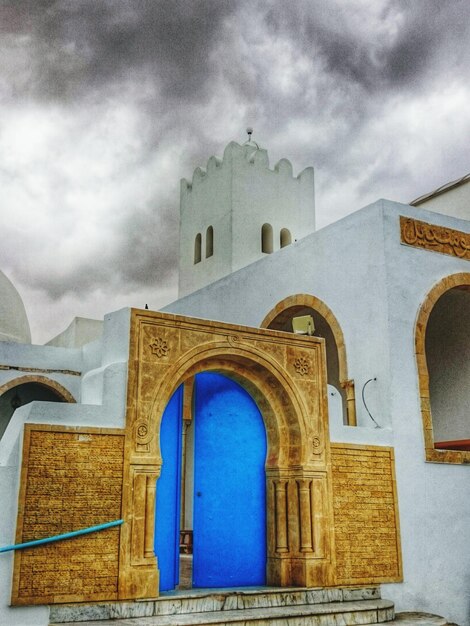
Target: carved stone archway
(63, 393)
(286, 376)
(293, 305)
(455, 281)
(23, 390)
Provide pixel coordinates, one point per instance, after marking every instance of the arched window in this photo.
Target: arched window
(286, 237)
(197, 248)
(267, 238)
(442, 344)
(209, 242)
(326, 326)
(26, 389)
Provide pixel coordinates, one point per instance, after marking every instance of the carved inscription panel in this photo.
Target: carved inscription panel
(71, 479)
(436, 238)
(366, 515)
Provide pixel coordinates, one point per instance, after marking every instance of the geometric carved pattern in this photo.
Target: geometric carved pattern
(367, 533)
(436, 238)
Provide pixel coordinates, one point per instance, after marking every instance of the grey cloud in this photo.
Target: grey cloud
(82, 45)
(430, 30)
(172, 60)
(139, 249)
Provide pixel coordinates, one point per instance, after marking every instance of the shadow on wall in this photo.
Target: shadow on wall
(447, 355)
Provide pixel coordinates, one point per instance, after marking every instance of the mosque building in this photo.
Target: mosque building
(293, 431)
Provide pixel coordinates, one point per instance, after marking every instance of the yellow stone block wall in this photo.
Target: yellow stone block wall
(367, 535)
(71, 479)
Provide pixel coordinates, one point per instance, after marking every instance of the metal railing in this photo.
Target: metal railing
(75, 533)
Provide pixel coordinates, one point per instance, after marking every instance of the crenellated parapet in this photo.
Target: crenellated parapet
(249, 153)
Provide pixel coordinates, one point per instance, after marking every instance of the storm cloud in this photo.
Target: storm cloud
(105, 105)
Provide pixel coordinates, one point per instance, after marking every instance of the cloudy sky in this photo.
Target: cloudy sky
(106, 104)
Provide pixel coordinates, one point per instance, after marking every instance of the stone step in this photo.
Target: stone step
(419, 619)
(207, 600)
(347, 613)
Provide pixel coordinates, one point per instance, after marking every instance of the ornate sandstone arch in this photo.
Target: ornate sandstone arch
(61, 391)
(461, 280)
(286, 376)
(295, 305)
(25, 389)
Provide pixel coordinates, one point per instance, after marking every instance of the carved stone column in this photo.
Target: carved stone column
(150, 515)
(138, 574)
(277, 501)
(306, 540)
(348, 386)
(281, 516)
(310, 537)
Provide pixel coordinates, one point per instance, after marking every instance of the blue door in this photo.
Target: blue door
(167, 509)
(229, 486)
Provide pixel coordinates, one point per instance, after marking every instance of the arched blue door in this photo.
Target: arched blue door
(229, 524)
(229, 486)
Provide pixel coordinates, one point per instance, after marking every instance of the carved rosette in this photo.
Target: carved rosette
(159, 347)
(317, 445)
(143, 435)
(436, 238)
(302, 365)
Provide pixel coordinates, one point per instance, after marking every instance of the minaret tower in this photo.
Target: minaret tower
(238, 210)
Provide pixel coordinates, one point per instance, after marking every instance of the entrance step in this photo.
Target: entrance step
(266, 606)
(329, 614)
(419, 619)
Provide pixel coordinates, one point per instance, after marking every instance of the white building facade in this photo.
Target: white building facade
(388, 288)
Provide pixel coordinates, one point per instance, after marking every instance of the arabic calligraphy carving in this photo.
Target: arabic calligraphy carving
(436, 238)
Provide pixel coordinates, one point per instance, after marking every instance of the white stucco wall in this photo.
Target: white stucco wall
(434, 498)
(374, 286)
(80, 331)
(344, 266)
(101, 394)
(40, 357)
(454, 202)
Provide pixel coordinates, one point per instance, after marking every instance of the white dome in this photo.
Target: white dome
(14, 325)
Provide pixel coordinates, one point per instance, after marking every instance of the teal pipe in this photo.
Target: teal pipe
(75, 533)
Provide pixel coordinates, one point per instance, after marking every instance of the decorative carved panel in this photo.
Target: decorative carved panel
(71, 479)
(436, 238)
(367, 534)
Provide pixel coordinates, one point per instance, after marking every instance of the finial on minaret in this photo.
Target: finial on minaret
(250, 143)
